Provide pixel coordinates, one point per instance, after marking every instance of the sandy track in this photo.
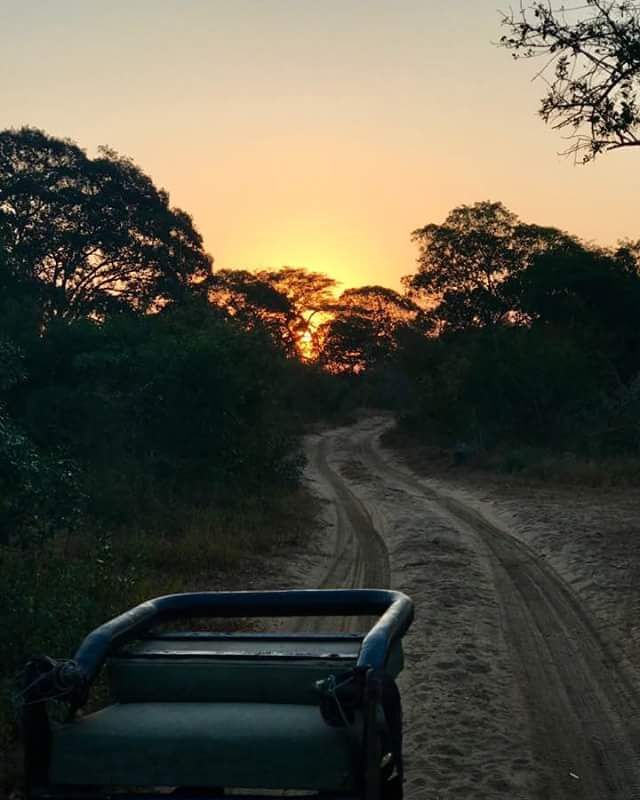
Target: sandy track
(511, 691)
(359, 556)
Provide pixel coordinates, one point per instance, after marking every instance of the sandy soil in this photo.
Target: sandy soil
(522, 675)
(523, 663)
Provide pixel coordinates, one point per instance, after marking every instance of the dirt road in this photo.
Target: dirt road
(510, 690)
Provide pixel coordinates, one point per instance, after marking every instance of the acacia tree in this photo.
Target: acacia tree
(290, 303)
(365, 327)
(463, 264)
(254, 303)
(311, 297)
(592, 69)
(91, 236)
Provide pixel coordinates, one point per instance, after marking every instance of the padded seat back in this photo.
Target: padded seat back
(201, 668)
(257, 746)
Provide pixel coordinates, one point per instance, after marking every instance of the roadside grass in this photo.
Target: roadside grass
(224, 537)
(519, 462)
(568, 468)
(57, 590)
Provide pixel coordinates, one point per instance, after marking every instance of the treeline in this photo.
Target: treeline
(149, 435)
(137, 383)
(535, 340)
(151, 407)
(509, 338)
(123, 387)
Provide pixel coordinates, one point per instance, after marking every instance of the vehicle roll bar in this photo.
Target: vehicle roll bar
(394, 608)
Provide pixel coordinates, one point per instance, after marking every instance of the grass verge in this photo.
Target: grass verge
(518, 462)
(56, 590)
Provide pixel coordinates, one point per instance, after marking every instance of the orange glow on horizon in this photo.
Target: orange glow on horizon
(309, 134)
(340, 255)
(305, 345)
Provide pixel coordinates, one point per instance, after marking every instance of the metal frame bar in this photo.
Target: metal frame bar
(394, 608)
(71, 795)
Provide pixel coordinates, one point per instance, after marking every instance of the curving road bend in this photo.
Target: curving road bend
(509, 690)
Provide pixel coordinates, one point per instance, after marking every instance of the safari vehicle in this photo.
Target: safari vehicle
(204, 714)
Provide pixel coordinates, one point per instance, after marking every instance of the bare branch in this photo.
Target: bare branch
(592, 73)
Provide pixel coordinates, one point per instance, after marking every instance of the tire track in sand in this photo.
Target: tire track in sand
(583, 710)
(360, 559)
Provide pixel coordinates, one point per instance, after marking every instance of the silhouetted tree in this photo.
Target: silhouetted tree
(592, 295)
(311, 297)
(364, 330)
(592, 69)
(91, 236)
(289, 303)
(255, 303)
(510, 385)
(463, 264)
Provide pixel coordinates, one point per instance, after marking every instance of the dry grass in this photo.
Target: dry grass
(55, 592)
(520, 463)
(568, 469)
(212, 540)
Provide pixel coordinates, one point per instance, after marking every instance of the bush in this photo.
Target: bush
(162, 412)
(508, 386)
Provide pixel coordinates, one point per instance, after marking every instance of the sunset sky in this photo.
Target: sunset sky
(312, 133)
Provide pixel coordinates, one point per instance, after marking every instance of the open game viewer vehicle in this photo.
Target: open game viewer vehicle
(202, 713)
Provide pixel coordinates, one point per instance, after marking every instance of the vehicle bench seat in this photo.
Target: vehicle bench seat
(233, 709)
(253, 745)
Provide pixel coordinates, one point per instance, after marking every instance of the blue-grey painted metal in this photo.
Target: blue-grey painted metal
(395, 608)
(46, 677)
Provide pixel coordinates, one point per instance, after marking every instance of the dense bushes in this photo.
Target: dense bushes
(182, 404)
(123, 442)
(146, 435)
(39, 491)
(554, 368)
(507, 386)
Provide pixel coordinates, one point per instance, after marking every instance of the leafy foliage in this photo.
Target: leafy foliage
(490, 388)
(463, 264)
(134, 414)
(364, 330)
(589, 294)
(39, 493)
(538, 342)
(173, 407)
(91, 236)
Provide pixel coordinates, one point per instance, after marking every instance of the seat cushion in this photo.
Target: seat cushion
(251, 745)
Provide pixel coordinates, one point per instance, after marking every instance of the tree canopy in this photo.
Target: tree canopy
(364, 329)
(592, 69)
(254, 302)
(591, 294)
(288, 303)
(463, 264)
(91, 236)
